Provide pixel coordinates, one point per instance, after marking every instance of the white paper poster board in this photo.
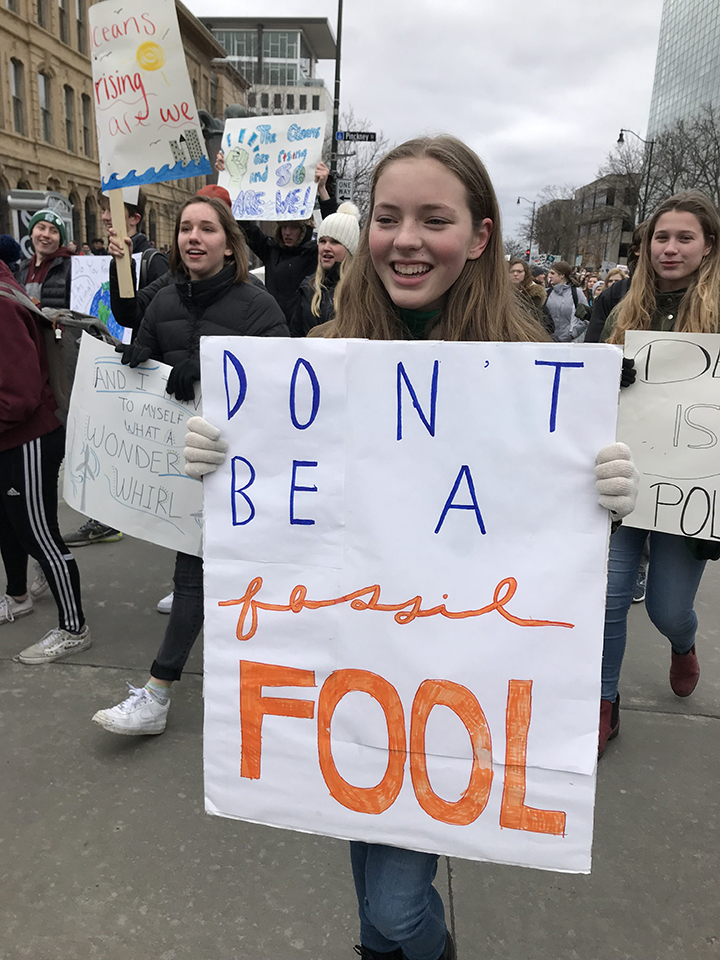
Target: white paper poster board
(270, 165)
(404, 547)
(147, 124)
(124, 451)
(670, 419)
(90, 291)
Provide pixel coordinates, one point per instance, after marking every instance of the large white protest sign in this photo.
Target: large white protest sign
(90, 291)
(124, 451)
(270, 165)
(670, 419)
(405, 568)
(147, 123)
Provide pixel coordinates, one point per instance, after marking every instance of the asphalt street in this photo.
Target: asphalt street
(106, 852)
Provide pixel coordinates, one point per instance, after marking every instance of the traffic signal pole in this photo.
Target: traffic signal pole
(336, 103)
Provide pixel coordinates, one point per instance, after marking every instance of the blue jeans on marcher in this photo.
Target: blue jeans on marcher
(397, 902)
(672, 581)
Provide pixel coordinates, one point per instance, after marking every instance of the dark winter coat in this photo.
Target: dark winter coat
(304, 319)
(286, 267)
(186, 310)
(156, 264)
(602, 306)
(55, 290)
(27, 404)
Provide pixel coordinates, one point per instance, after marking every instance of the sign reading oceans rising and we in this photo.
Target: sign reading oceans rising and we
(270, 165)
(147, 123)
(405, 568)
(670, 419)
(124, 450)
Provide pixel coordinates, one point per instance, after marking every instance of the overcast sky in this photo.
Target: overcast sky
(540, 91)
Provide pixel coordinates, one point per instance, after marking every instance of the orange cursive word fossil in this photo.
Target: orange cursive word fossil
(404, 612)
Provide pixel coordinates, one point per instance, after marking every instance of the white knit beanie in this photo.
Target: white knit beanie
(343, 226)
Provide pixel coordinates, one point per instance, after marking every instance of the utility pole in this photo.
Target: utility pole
(336, 103)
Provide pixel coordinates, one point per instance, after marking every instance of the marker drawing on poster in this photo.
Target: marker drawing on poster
(90, 291)
(270, 165)
(147, 123)
(670, 419)
(403, 543)
(124, 451)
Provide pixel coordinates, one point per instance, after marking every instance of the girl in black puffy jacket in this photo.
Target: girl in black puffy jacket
(211, 296)
(338, 238)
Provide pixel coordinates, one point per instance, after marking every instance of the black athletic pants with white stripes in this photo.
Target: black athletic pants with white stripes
(29, 524)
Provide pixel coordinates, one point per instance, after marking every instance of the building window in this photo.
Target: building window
(291, 101)
(17, 89)
(280, 45)
(316, 103)
(277, 101)
(252, 100)
(214, 96)
(80, 21)
(610, 198)
(42, 13)
(45, 107)
(69, 118)
(87, 125)
(303, 101)
(90, 220)
(64, 21)
(12, 5)
(265, 101)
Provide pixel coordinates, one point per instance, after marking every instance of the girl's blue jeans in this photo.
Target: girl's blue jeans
(673, 578)
(397, 902)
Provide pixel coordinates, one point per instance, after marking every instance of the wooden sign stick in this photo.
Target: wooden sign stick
(117, 212)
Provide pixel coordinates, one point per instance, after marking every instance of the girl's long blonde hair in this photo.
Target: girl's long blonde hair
(698, 310)
(317, 285)
(480, 305)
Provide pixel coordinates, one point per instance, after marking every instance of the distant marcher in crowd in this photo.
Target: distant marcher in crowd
(98, 248)
(10, 250)
(539, 275)
(210, 296)
(32, 447)
(613, 276)
(46, 274)
(85, 250)
(532, 294)
(562, 302)
(72, 247)
(610, 297)
(338, 237)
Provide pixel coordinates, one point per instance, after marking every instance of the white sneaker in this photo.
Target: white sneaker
(56, 645)
(39, 586)
(139, 714)
(165, 605)
(11, 609)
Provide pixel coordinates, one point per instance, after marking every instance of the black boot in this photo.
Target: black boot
(449, 951)
(365, 953)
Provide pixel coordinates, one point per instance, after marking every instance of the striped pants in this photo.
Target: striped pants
(29, 524)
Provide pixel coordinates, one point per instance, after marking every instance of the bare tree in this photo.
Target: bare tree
(515, 247)
(357, 160)
(555, 228)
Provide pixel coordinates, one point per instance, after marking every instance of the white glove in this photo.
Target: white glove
(617, 480)
(204, 449)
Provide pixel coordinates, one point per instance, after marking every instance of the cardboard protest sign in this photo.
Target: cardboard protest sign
(90, 291)
(124, 451)
(270, 165)
(405, 541)
(147, 122)
(670, 419)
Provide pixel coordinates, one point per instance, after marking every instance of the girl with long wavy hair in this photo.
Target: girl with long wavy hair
(429, 265)
(675, 286)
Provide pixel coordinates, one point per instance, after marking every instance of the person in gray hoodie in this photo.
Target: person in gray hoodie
(562, 302)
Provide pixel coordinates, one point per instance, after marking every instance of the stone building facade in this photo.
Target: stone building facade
(47, 116)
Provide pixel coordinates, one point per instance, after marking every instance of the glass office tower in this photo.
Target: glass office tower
(687, 70)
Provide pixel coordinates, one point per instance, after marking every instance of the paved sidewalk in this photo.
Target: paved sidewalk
(105, 851)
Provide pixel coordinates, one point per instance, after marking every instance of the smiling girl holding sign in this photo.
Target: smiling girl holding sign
(676, 286)
(429, 265)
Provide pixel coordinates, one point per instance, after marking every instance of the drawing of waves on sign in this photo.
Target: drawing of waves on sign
(178, 171)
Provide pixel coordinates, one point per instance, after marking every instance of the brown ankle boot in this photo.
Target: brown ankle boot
(684, 672)
(609, 723)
